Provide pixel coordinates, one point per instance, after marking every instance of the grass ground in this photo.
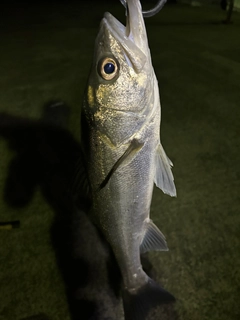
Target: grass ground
(55, 264)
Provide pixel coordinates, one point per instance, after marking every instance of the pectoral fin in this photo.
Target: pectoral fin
(153, 239)
(163, 174)
(128, 155)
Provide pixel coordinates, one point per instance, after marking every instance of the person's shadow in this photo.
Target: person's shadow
(47, 155)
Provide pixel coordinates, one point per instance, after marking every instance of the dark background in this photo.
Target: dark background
(56, 265)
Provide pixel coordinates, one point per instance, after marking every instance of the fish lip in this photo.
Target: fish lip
(134, 48)
(117, 29)
(135, 26)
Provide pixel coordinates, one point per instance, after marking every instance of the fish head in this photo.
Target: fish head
(122, 72)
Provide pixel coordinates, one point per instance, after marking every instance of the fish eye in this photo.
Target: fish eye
(108, 68)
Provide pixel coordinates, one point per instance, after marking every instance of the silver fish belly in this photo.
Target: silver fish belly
(121, 139)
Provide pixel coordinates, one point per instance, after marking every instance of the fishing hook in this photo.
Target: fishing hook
(151, 12)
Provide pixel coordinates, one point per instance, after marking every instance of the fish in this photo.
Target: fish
(120, 136)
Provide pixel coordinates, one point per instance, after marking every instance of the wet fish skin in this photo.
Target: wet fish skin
(121, 139)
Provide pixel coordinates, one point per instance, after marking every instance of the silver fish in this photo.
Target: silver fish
(124, 155)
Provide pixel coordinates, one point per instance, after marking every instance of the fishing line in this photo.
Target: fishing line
(151, 12)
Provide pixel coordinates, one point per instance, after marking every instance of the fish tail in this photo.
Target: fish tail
(137, 305)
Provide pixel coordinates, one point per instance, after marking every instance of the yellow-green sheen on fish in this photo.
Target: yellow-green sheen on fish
(124, 155)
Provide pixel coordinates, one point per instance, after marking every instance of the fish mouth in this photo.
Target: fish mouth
(132, 37)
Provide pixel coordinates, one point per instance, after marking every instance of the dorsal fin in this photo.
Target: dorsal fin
(80, 184)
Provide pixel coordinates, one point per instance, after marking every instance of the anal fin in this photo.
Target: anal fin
(153, 239)
(163, 174)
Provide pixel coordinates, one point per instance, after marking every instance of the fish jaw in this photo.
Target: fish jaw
(133, 37)
(131, 91)
(135, 26)
(127, 99)
(114, 37)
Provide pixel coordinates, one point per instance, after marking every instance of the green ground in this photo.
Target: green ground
(45, 55)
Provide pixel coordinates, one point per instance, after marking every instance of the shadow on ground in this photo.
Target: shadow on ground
(47, 156)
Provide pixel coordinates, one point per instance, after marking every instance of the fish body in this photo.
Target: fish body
(121, 142)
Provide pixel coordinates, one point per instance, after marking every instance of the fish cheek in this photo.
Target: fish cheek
(105, 94)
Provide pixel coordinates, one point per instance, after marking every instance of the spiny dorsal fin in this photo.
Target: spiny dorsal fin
(79, 183)
(153, 239)
(163, 174)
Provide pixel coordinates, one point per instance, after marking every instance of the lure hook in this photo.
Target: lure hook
(151, 12)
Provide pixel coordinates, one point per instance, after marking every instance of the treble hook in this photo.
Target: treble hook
(151, 12)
